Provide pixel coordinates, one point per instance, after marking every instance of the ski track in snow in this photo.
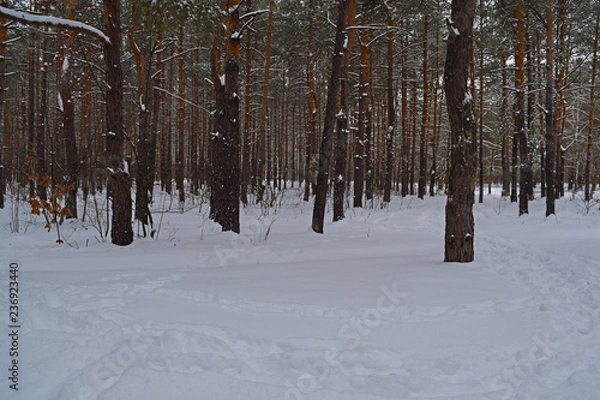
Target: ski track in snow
(122, 330)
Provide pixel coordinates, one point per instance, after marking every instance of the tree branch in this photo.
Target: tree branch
(28, 18)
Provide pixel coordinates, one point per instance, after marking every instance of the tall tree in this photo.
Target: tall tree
(391, 109)
(342, 132)
(247, 139)
(520, 132)
(311, 107)
(423, 142)
(550, 164)
(68, 109)
(264, 143)
(225, 147)
(119, 178)
(459, 231)
(180, 161)
(318, 216)
(590, 136)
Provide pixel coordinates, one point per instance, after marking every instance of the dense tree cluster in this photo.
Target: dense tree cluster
(240, 99)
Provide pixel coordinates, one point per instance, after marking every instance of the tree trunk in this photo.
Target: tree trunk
(520, 133)
(225, 157)
(41, 171)
(550, 164)
(459, 231)
(311, 109)
(423, 143)
(264, 144)
(120, 183)
(68, 101)
(436, 116)
(391, 112)
(505, 152)
(247, 135)
(343, 130)
(405, 151)
(146, 127)
(179, 163)
(360, 137)
(31, 105)
(480, 105)
(318, 216)
(590, 141)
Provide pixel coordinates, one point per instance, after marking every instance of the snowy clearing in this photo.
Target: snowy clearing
(366, 311)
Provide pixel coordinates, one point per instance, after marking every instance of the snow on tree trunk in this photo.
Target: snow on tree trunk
(459, 232)
(318, 216)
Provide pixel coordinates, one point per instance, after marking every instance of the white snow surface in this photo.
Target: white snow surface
(366, 311)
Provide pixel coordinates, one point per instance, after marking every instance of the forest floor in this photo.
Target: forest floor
(366, 311)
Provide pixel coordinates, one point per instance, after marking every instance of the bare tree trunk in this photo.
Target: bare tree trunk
(404, 111)
(550, 164)
(505, 152)
(436, 116)
(360, 137)
(459, 234)
(225, 157)
(247, 135)
(391, 112)
(480, 105)
(520, 133)
(423, 143)
(590, 141)
(120, 183)
(146, 141)
(330, 111)
(41, 128)
(413, 134)
(179, 163)
(31, 104)
(264, 144)
(68, 101)
(341, 143)
(312, 111)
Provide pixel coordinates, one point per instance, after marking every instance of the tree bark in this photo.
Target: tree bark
(423, 142)
(360, 137)
(120, 182)
(520, 133)
(264, 140)
(590, 137)
(318, 216)
(391, 111)
(247, 135)
(459, 231)
(550, 164)
(225, 148)
(311, 109)
(66, 94)
(343, 130)
(179, 159)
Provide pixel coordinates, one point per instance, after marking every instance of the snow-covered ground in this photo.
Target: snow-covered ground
(366, 311)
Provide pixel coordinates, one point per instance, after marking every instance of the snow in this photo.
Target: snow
(25, 17)
(467, 100)
(65, 65)
(366, 311)
(59, 103)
